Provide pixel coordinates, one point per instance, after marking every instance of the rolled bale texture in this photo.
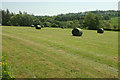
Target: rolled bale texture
(77, 32)
(38, 27)
(100, 30)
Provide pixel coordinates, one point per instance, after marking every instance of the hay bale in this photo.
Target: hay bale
(42, 26)
(38, 27)
(62, 27)
(100, 30)
(32, 25)
(77, 32)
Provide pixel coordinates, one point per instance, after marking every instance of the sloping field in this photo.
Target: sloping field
(114, 20)
(55, 53)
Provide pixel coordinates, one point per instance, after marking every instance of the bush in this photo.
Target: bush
(77, 32)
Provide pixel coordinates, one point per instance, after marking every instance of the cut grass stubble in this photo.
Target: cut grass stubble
(56, 53)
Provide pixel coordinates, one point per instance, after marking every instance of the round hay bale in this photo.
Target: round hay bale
(42, 26)
(32, 25)
(77, 32)
(62, 27)
(100, 30)
(38, 27)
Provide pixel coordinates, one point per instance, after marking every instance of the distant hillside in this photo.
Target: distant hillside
(81, 15)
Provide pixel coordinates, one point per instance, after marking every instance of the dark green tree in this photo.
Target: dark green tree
(6, 15)
(106, 17)
(91, 21)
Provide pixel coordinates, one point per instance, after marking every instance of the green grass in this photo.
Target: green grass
(114, 20)
(55, 53)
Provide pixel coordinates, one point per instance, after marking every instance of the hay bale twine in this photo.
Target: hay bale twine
(38, 27)
(77, 32)
(100, 30)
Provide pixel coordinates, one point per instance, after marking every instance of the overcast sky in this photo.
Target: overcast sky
(60, 0)
(55, 7)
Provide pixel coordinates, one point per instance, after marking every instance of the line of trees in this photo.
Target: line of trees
(21, 19)
(89, 20)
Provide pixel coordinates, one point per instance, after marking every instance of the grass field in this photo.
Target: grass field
(55, 53)
(114, 20)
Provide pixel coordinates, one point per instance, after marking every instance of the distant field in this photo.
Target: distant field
(55, 53)
(114, 20)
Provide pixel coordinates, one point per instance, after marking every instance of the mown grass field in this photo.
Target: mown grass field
(55, 53)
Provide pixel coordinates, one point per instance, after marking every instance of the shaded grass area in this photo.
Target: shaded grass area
(55, 53)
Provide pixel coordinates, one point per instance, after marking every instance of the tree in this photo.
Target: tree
(15, 20)
(106, 17)
(5, 17)
(107, 25)
(47, 24)
(23, 20)
(20, 12)
(0, 17)
(99, 16)
(91, 21)
(54, 25)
